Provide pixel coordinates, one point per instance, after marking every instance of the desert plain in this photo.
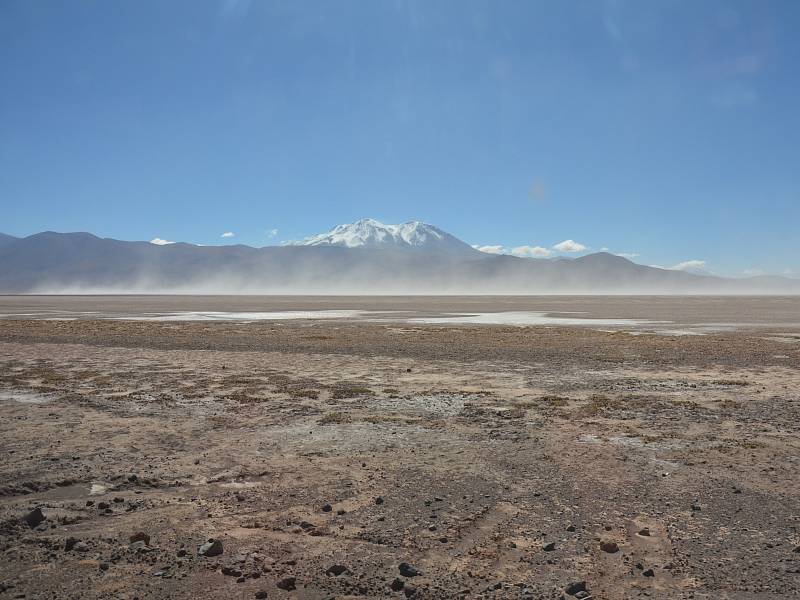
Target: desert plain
(388, 447)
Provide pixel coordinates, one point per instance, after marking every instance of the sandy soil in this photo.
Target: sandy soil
(498, 462)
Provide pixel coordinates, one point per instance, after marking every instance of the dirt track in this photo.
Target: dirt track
(463, 451)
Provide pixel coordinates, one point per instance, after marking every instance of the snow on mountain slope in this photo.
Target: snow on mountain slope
(369, 233)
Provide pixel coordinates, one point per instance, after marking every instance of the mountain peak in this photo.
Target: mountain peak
(371, 233)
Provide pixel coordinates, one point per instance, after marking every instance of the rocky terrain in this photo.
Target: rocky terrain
(350, 460)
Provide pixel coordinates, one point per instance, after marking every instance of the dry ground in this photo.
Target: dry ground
(497, 462)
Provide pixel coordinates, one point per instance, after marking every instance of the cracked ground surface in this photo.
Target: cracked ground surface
(498, 462)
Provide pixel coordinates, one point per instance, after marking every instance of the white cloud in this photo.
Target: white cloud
(569, 246)
(497, 249)
(228, 234)
(627, 254)
(531, 251)
(272, 233)
(689, 265)
(160, 242)
(753, 272)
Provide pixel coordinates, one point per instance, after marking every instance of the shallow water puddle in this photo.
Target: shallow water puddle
(24, 397)
(522, 318)
(244, 316)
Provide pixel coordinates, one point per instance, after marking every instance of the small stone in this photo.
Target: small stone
(649, 573)
(81, 547)
(573, 589)
(549, 547)
(327, 508)
(231, 572)
(336, 570)
(644, 532)
(69, 543)
(571, 528)
(379, 500)
(397, 584)
(34, 518)
(104, 566)
(410, 591)
(103, 505)
(181, 553)
(287, 583)
(139, 546)
(261, 594)
(211, 548)
(140, 536)
(241, 579)
(610, 547)
(132, 477)
(696, 507)
(406, 570)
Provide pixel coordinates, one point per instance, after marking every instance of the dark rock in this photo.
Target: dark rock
(379, 500)
(406, 570)
(241, 579)
(649, 573)
(397, 584)
(140, 536)
(287, 583)
(549, 547)
(69, 543)
(103, 505)
(181, 552)
(104, 566)
(571, 528)
(327, 508)
(336, 570)
(573, 589)
(231, 572)
(211, 548)
(81, 547)
(261, 594)
(610, 547)
(34, 518)
(645, 532)
(410, 591)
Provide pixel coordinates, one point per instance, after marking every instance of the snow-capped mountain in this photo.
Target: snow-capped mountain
(369, 233)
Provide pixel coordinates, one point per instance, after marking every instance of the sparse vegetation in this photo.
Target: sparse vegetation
(339, 393)
(334, 418)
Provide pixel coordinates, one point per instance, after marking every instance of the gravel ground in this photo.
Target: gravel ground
(365, 460)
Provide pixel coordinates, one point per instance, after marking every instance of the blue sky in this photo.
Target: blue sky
(668, 129)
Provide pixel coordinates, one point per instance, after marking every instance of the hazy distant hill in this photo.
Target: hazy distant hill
(414, 259)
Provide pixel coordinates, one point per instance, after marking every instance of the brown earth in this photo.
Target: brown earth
(499, 462)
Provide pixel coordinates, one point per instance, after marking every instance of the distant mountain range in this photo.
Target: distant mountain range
(365, 257)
